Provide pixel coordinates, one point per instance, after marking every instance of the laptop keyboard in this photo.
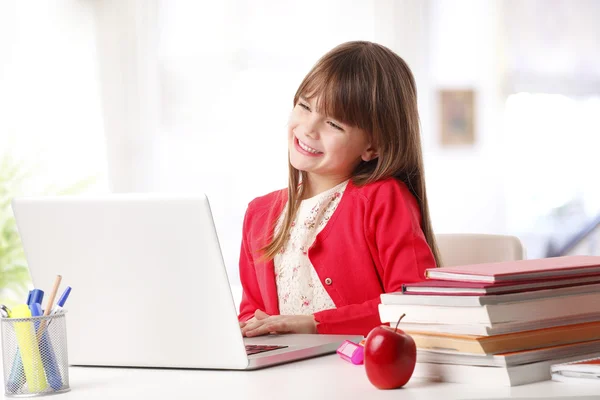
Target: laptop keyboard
(255, 348)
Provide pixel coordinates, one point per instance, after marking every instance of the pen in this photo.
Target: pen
(61, 301)
(47, 353)
(37, 295)
(58, 309)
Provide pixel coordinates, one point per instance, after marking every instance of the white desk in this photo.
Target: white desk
(326, 377)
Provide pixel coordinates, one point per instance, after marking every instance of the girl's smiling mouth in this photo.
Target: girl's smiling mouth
(306, 149)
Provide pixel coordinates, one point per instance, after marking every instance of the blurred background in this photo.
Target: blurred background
(193, 96)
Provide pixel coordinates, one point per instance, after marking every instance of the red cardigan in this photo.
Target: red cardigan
(372, 244)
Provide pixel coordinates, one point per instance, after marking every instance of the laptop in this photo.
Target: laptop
(149, 284)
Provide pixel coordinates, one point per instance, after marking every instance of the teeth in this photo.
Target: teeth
(307, 148)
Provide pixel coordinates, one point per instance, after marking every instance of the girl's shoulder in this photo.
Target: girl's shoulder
(269, 201)
(391, 188)
(387, 196)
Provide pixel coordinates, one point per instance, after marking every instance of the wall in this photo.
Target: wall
(465, 184)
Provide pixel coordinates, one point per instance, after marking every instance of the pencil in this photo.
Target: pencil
(52, 295)
(42, 326)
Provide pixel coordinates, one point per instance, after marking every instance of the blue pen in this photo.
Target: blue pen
(48, 357)
(61, 301)
(37, 295)
(58, 308)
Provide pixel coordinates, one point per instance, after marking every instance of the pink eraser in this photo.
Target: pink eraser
(351, 352)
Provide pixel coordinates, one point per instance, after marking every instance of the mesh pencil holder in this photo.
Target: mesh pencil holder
(34, 356)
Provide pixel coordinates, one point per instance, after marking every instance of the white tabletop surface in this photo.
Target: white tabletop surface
(326, 377)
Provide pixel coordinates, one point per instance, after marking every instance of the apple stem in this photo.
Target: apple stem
(398, 323)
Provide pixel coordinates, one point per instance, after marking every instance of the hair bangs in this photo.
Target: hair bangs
(340, 93)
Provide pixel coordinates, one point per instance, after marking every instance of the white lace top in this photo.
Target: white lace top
(299, 289)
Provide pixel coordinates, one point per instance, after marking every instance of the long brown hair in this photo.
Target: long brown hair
(366, 85)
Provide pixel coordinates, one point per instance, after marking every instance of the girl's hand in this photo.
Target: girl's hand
(258, 315)
(263, 324)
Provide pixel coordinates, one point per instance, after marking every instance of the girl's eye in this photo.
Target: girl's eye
(307, 108)
(336, 126)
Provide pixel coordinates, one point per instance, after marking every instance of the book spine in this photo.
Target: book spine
(435, 315)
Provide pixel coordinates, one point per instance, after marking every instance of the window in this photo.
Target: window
(551, 164)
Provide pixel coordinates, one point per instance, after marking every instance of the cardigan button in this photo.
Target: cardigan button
(328, 281)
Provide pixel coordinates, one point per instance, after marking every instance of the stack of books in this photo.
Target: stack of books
(500, 323)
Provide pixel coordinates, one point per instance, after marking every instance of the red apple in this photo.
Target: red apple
(390, 357)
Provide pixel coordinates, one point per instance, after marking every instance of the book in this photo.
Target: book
(473, 301)
(520, 270)
(491, 330)
(490, 376)
(509, 359)
(466, 289)
(585, 371)
(520, 311)
(511, 342)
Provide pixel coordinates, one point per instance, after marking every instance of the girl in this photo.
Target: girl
(354, 221)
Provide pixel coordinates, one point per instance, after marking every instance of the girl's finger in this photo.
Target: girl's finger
(261, 330)
(250, 326)
(264, 329)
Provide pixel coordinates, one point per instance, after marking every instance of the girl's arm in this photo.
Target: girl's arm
(251, 296)
(400, 253)
(354, 319)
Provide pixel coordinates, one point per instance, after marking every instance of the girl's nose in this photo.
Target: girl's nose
(310, 128)
(311, 133)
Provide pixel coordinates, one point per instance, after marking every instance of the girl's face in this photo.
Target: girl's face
(324, 147)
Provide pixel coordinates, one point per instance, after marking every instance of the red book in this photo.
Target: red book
(461, 288)
(520, 271)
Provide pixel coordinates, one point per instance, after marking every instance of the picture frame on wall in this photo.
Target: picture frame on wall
(457, 117)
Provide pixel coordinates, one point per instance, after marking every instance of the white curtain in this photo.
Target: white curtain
(50, 117)
(126, 39)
